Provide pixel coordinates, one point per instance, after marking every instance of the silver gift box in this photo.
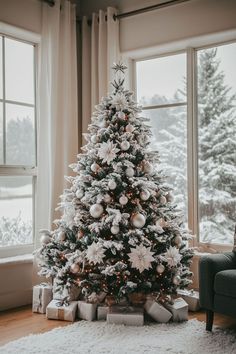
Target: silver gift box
(127, 315)
(42, 295)
(192, 299)
(87, 311)
(57, 310)
(158, 312)
(102, 312)
(179, 310)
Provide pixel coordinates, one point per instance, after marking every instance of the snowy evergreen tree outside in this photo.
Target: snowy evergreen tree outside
(120, 232)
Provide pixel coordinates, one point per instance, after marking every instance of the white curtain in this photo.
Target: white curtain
(58, 111)
(100, 49)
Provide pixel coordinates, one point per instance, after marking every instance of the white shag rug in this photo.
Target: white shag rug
(99, 337)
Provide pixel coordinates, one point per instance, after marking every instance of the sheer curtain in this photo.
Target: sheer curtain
(100, 49)
(58, 111)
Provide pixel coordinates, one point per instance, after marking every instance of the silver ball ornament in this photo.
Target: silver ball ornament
(115, 229)
(163, 199)
(74, 268)
(129, 128)
(79, 193)
(147, 167)
(45, 239)
(176, 279)
(123, 200)
(112, 184)
(94, 139)
(96, 210)
(61, 236)
(129, 172)
(144, 195)
(107, 198)
(95, 167)
(125, 145)
(178, 240)
(121, 115)
(138, 220)
(160, 268)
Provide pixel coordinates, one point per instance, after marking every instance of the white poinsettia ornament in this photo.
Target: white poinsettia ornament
(107, 151)
(119, 101)
(95, 253)
(172, 256)
(141, 257)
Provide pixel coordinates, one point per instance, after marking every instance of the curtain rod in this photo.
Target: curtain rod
(149, 8)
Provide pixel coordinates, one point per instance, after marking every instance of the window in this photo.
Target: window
(17, 145)
(194, 129)
(161, 91)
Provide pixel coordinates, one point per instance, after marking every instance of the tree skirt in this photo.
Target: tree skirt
(99, 337)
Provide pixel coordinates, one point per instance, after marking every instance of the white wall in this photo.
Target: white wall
(16, 276)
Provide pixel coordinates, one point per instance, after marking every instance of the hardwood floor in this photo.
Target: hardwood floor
(21, 322)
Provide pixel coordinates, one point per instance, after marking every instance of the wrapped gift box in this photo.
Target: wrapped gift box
(42, 295)
(192, 299)
(59, 310)
(87, 311)
(158, 312)
(102, 312)
(179, 310)
(127, 315)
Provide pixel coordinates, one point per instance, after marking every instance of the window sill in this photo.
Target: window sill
(25, 258)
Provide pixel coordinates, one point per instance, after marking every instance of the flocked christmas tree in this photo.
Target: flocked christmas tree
(120, 232)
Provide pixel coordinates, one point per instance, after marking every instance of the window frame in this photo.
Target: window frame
(20, 35)
(192, 128)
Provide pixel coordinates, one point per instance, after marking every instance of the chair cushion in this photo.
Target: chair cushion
(225, 283)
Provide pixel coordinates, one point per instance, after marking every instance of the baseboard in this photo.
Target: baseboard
(15, 299)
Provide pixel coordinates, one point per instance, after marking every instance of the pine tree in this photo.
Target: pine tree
(119, 232)
(217, 145)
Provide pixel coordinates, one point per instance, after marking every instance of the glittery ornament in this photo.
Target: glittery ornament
(160, 268)
(144, 195)
(112, 184)
(138, 220)
(95, 167)
(74, 268)
(178, 240)
(163, 199)
(123, 200)
(129, 128)
(161, 222)
(176, 279)
(79, 193)
(121, 115)
(115, 229)
(125, 145)
(129, 172)
(61, 236)
(96, 210)
(147, 167)
(107, 198)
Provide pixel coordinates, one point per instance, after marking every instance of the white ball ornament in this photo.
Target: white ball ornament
(129, 172)
(138, 220)
(163, 199)
(147, 167)
(123, 200)
(79, 193)
(125, 145)
(95, 167)
(112, 185)
(94, 139)
(176, 279)
(107, 198)
(160, 268)
(121, 115)
(129, 128)
(144, 195)
(96, 210)
(45, 239)
(61, 236)
(74, 268)
(115, 229)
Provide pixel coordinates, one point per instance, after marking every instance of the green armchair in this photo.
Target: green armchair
(217, 285)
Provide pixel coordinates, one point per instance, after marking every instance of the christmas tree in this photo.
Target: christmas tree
(119, 232)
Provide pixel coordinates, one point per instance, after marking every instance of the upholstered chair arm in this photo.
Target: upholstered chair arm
(209, 265)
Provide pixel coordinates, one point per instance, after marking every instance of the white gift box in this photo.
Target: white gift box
(87, 311)
(127, 315)
(179, 310)
(42, 295)
(102, 312)
(192, 299)
(59, 310)
(158, 312)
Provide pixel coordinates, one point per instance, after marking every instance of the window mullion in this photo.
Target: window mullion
(192, 148)
(4, 99)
